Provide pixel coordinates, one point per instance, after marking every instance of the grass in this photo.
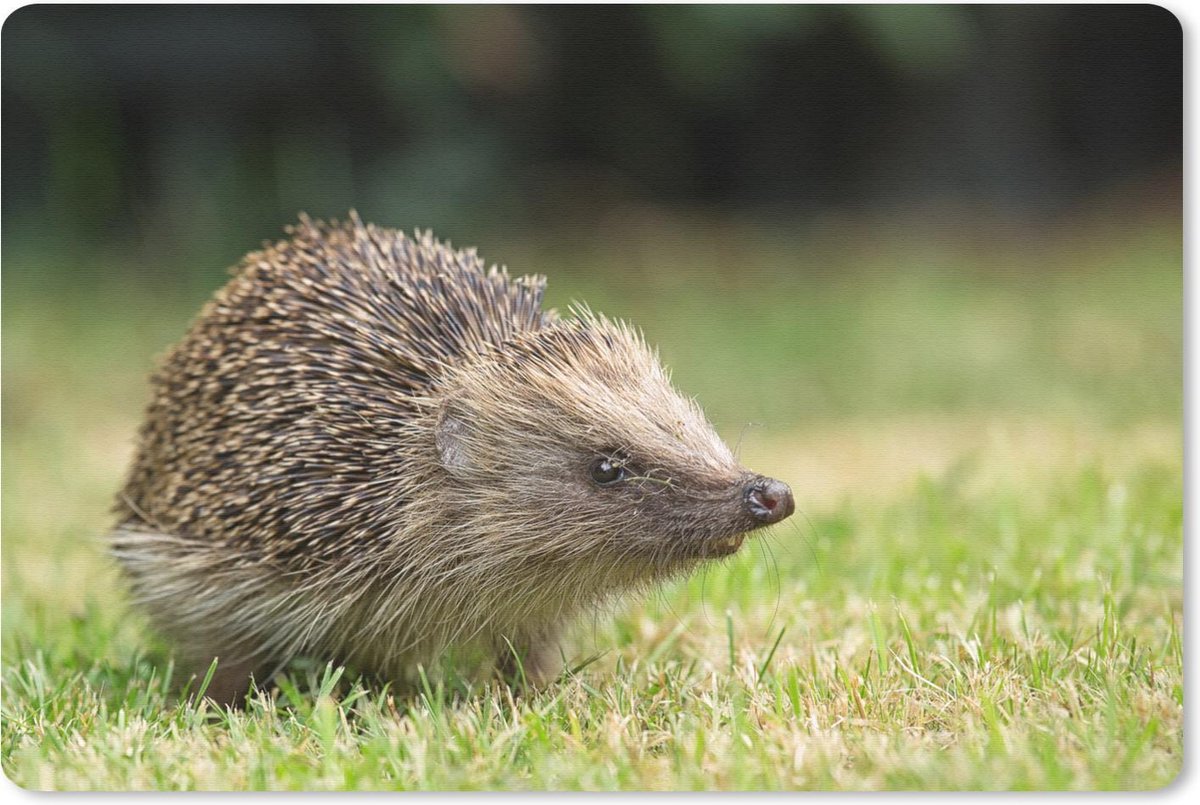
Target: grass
(983, 591)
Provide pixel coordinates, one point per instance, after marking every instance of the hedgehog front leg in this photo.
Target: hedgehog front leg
(539, 654)
(230, 682)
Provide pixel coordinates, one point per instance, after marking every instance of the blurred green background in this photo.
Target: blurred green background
(806, 206)
(166, 139)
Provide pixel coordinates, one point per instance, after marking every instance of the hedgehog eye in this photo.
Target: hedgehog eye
(606, 471)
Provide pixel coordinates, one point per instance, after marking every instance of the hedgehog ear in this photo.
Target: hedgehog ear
(452, 436)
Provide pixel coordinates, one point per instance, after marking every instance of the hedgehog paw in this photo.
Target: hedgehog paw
(533, 662)
(230, 682)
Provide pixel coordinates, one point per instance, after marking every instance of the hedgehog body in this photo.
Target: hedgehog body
(370, 449)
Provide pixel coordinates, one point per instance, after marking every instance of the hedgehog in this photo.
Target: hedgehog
(370, 449)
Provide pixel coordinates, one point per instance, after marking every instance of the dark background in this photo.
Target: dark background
(156, 139)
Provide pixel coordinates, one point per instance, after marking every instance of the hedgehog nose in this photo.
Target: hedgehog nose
(769, 501)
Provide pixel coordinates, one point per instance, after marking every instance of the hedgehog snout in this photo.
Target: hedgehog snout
(768, 500)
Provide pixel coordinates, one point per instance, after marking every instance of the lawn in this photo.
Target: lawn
(982, 588)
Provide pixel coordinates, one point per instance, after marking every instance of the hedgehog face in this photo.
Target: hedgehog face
(577, 424)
